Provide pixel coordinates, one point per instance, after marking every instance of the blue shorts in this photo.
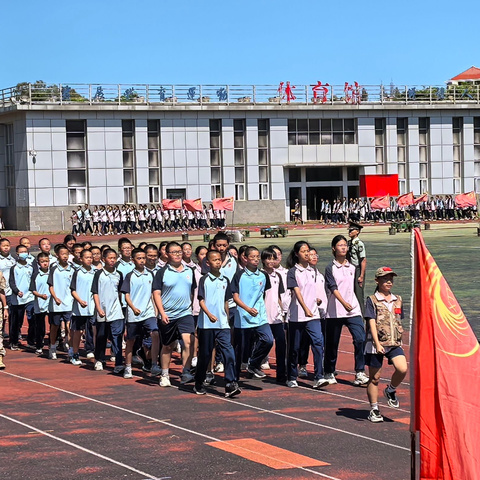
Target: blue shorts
(56, 318)
(138, 329)
(175, 327)
(79, 323)
(375, 360)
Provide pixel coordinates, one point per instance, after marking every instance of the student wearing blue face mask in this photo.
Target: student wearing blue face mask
(21, 299)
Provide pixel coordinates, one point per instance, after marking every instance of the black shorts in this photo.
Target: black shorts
(138, 329)
(79, 323)
(375, 360)
(175, 327)
(56, 318)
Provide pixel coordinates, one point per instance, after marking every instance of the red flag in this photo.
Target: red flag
(169, 204)
(446, 377)
(381, 202)
(193, 205)
(465, 200)
(421, 198)
(223, 203)
(406, 200)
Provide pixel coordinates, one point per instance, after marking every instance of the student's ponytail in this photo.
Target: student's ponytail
(292, 259)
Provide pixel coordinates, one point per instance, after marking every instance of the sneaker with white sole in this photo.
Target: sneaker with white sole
(361, 378)
(219, 368)
(302, 371)
(265, 366)
(127, 373)
(194, 362)
(39, 351)
(256, 372)
(199, 390)
(392, 399)
(118, 369)
(375, 416)
(75, 360)
(232, 389)
(90, 355)
(98, 366)
(52, 353)
(155, 371)
(187, 377)
(209, 379)
(292, 384)
(330, 378)
(320, 382)
(165, 381)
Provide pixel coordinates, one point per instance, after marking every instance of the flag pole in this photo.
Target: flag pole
(413, 442)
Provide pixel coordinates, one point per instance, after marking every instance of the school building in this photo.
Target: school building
(64, 145)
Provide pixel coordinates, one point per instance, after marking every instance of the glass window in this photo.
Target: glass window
(215, 158)
(294, 175)
(215, 140)
(302, 125)
(153, 176)
(153, 140)
(76, 178)
(153, 158)
(215, 175)
(239, 175)
(75, 126)
(127, 159)
(128, 178)
(75, 159)
(353, 173)
(238, 154)
(75, 141)
(263, 157)
(239, 192)
(263, 174)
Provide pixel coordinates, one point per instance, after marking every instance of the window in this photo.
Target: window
(239, 152)
(380, 144)
(128, 144)
(154, 153)
(216, 159)
(263, 158)
(457, 127)
(9, 165)
(424, 152)
(402, 134)
(76, 161)
(322, 132)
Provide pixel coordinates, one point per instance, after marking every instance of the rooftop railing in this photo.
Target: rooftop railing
(282, 94)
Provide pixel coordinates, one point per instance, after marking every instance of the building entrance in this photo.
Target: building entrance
(315, 195)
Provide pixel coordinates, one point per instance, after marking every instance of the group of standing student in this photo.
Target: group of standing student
(132, 219)
(152, 297)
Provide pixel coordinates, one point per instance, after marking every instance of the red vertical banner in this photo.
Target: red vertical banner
(446, 365)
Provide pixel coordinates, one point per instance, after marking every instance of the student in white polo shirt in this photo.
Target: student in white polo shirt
(304, 314)
(343, 309)
(141, 316)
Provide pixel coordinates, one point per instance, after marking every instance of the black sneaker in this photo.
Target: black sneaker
(392, 399)
(257, 373)
(147, 366)
(209, 379)
(199, 390)
(232, 389)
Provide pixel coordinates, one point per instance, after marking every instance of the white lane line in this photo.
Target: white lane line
(193, 432)
(79, 447)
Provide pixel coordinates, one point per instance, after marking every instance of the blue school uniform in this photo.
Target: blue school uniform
(139, 286)
(215, 291)
(82, 283)
(19, 281)
(60, 279)
(6, 263)
(39, 284)
(107, 286)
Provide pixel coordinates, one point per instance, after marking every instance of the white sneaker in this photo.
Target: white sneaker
(98, 366)
(155, 371)
(375, 416)
(118, 369)
(330, 378)
(112, 358)
(90, 355)
(292, 384)
(360, 379)
(52, 354)
(265, 366)
(127, 373)
(194, 362)
(75, 361)
(219, 368)
(165, 381)
(302, 371)
(320, 382)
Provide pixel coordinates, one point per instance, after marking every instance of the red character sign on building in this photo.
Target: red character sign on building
(320, 92)
(287, 92)
(352, 93)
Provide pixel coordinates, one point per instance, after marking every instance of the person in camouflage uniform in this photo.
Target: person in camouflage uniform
(357, 256)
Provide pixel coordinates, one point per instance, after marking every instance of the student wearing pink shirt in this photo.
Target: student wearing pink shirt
(343, 309)
(303, 315)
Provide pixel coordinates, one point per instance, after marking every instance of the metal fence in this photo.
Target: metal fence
(284, 94)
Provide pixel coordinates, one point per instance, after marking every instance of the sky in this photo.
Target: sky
(261, 42)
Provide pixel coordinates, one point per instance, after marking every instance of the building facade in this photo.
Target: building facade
(61, 146)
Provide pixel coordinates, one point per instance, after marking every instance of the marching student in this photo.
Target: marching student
(45, 246)
(141, 316)
(6, 263)
(213, 294)
(173, 289)
(97, 257)
(343, 309)
(151, 258)
(83, 304)
(25, 241)
(76, 261)
(3, 317)
(384, 314)
(248, 287)
(273, 305)
(61, 300)
(109, 319)
(21, 299)
(41, 293)
(304, 314)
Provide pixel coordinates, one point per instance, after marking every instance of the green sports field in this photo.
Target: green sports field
(455, 247)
